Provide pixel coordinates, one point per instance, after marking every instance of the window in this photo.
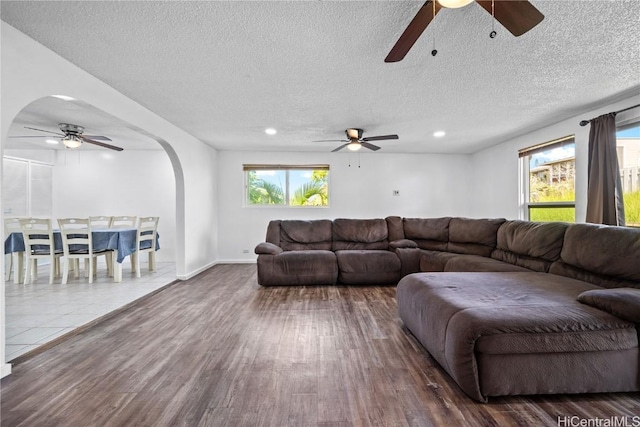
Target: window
(548, 181)
(294, 185)
(628, 146)
(26, 187)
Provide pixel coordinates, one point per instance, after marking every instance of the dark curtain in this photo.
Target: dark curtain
(604, 197)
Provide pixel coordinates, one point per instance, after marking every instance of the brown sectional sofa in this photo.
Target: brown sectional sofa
(506, 307)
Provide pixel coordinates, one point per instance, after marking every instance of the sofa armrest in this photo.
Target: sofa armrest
(266, 248)
(402, 243)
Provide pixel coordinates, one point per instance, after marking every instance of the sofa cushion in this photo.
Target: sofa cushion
(428, 233)
(473, 236)
(533, 245)
(622, 302)
(394, 227)
(310, 267)
(273, 232)
(298, 235)
(434, 260)
(368, 267)
(601, 252)
(359, 234)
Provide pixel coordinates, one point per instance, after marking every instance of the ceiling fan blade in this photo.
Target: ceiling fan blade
(380, 138)
(97, 137)
(517, 16)
(340, 148)
(46, 131)
(412, 33)
(33, 136)
(101, 144)
(370, 146)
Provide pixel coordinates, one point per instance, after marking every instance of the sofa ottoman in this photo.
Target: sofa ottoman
(519, 333)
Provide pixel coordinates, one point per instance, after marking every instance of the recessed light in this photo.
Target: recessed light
(64, 97)
(51, 141)
(270, 131)
(439, 134)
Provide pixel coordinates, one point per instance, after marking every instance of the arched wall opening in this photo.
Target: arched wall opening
(92, 180)
(31, 72)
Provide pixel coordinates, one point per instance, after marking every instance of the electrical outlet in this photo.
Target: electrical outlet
(396, 192)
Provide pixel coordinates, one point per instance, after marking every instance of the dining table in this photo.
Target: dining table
(121, 241)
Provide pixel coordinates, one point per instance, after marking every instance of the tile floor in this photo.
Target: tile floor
(38, 313)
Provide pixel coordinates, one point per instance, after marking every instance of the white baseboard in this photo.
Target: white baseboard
(195, 272)
(5, 370)
(211, 264)
(236, 261)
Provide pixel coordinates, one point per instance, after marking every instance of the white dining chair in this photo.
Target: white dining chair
(102, 221)
(123, 222)
(77, 244)
(39, 244)
(14, 262)
(146, 238)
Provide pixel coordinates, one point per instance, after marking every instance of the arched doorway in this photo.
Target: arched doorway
(141, 180)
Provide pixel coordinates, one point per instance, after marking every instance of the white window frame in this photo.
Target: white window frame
(524, 181)
(287, 191)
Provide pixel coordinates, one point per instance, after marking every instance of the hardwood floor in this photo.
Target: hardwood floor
(219, 350)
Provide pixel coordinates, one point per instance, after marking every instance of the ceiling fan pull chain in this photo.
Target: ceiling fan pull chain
(434, 51)
(493, 33)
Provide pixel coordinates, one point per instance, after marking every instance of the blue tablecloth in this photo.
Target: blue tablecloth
(122, 239)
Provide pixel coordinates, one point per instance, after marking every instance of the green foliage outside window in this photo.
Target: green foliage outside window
(541, 191)
(262, 192)
(303, 187)
(552, 214)
(314, 192)
(632, 208)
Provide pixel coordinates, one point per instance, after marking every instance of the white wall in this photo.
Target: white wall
(430, 185)
(139, 183)
(129, 182)
(496, 169)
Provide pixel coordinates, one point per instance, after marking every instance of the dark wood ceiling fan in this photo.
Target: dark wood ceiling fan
(517, 16)
(355, 140)
(72, 136)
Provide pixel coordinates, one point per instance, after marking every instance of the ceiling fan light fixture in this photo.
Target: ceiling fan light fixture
(454, 4)
(72, 141)
(354, 146)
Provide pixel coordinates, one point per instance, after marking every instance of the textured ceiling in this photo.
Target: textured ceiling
(225, 71)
